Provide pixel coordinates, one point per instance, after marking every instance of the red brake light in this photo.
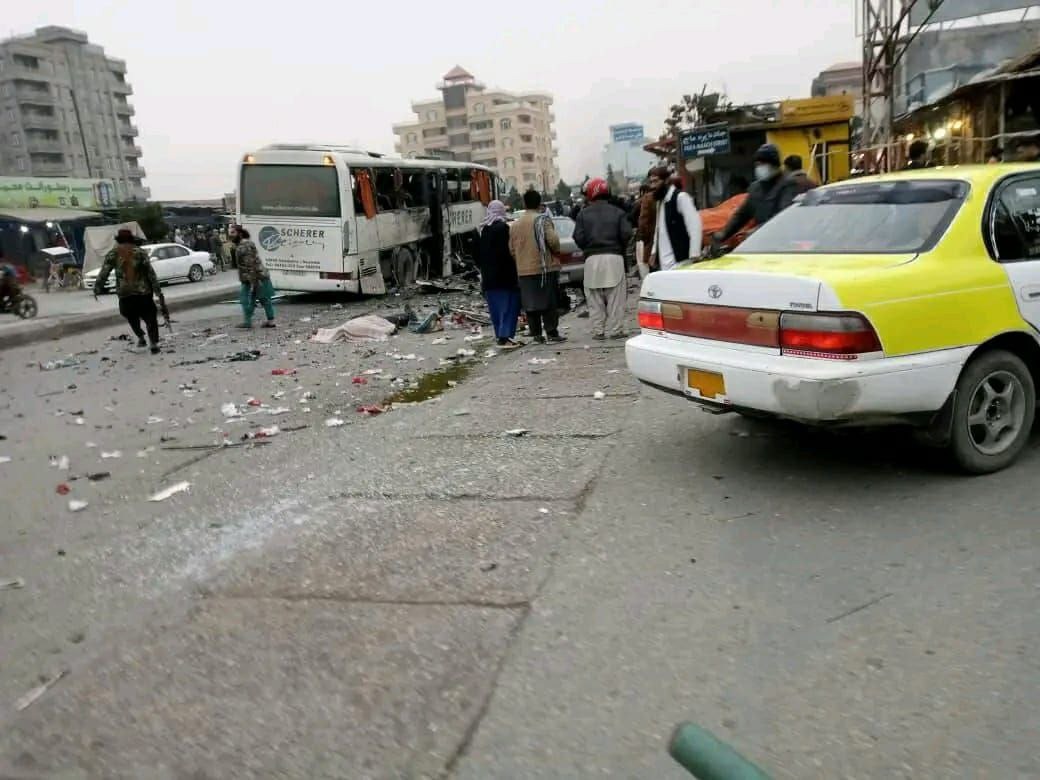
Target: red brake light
(836, 336)
(650, 316)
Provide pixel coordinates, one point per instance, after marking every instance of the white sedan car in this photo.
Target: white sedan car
(172, 263)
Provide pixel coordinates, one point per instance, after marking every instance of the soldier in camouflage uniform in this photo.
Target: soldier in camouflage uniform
(254, 278)
(136, 285)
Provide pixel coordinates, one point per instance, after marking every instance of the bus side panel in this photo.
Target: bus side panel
(464, 217)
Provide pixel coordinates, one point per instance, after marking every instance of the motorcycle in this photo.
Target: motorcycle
(19, 304)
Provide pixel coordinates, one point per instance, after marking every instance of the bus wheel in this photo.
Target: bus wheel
(405, 267)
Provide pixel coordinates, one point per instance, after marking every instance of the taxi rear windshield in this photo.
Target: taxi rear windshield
(891, 217)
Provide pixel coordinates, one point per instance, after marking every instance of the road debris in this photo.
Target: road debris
(77, 506)
(334, 422)
(275, 411)
(15, 583)
(283, 372)
(465, 352)
(254, 402)
(263, 433)
(154, 420)
(371, 409)
(543, 510)
(62, 489)
(26, 700)
(359, 380)
(61, 463)
(243, 357)
(372, 371)
(860, 608)
(517, 432)
(230, 410)
(98, 476)
(5, 459)
(599, 395)
(53, 365)
(537, 361)
(460, 413)
(172, 490)
(111, 455)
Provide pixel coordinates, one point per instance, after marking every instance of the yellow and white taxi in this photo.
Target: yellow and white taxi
(912, 297)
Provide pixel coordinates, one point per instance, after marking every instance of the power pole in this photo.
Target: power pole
(887, 33)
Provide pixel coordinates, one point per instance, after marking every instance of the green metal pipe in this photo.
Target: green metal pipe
(708, 758)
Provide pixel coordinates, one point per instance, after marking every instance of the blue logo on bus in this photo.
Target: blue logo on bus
(269, 238)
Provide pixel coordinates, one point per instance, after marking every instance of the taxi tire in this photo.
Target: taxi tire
(966, 456)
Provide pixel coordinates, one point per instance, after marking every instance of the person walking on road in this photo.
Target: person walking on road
(677, 232)
(770, 193)
(136, 284)
(254, 278)
(793, 168)
(535, 245)
(917, 155)
(216, 248)
(602, 231)
(498, 279)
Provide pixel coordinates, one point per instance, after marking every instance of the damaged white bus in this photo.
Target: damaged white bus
(328, 218)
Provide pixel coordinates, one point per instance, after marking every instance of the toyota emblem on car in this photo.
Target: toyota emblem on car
(715, 291)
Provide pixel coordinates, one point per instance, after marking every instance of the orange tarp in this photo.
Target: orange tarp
(714, 219)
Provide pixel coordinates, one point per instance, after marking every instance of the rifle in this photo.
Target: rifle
(164, 310)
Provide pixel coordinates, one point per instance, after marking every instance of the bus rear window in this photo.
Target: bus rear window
(870, 218)
(290, 191)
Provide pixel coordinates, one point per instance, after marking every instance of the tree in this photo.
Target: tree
(563, 191)
(610, 178)
(694, 110)
(149, 216)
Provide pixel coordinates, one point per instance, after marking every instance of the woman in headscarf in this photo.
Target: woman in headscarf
(498, 275)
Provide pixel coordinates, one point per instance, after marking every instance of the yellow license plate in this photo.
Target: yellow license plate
(708, 384)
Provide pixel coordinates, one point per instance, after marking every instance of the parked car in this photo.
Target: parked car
(572, 259)
(172, 262)
(910, 298)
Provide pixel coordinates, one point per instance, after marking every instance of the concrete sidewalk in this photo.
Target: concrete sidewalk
(62, 313)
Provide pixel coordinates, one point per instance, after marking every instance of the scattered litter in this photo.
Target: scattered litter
(442, 340)
(359, 380)
(90, 445)
(62, 489)
(334, 422)
(217, 337)
(283, 372)
(27, 699)
(154, 420)
(5, 459)
(369, 327)
(77, 506)
(427, 287)
(399, 356)
(144, 453)
(536, 361)
(111, 455)
(599, 395)
(309, 395)
(277, 410)
(371, 409)
(460, 412)
(305, 319)
(80, 421)
(452, 383)
(262, 433)
(543, 510)
(517, 432)
(474, 337)
(98, 476)
(489, 567)
(12, 584)
(52, 365)
(60, 463)
(243, 357)
(372, 371)
(172, 490)
(254, 402)
(230, 410)
(472, 316)
(490, 353)
(465, 352)
(614, 371)
(278, 396)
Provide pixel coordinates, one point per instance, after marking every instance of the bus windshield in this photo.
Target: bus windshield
(290, 191)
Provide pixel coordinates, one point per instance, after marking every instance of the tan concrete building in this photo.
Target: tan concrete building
(64, 112)
(843, 78)
(509, 131)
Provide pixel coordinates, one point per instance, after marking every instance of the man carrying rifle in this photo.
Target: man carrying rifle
(256, 281)
(136, 284)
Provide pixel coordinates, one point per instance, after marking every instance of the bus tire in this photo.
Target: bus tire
(404, 265)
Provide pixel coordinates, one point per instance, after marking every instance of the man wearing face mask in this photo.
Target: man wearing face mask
(770, 193)
(677, 234)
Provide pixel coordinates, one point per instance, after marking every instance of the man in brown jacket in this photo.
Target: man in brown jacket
(536, 246)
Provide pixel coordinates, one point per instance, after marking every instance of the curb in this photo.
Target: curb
(84, 323)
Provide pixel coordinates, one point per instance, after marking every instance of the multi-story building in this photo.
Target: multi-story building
(64, 112)
(510, 131)
(843, 78)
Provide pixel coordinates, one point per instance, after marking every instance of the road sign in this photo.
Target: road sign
(704, 141)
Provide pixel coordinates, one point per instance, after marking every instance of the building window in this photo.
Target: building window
(528, 158)
(431, 116)
(456, 122)
(506, 124)
(21, 164)
(16, 140)
(525, 119)
(509, 163)
(487, 124)
(507, 143)
(526, 139)
(412, 138)
(434, 131)
(478, 108)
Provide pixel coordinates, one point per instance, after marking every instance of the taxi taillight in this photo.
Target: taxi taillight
(833, 336)
(650, 316)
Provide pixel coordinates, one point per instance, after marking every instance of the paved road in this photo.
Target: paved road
(418, 594)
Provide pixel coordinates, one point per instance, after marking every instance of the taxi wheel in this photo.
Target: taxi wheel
(993, 412)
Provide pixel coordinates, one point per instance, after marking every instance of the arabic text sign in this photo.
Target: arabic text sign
(704, 141)
(28, 193)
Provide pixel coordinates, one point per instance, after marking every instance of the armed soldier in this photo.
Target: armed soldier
(136, 284)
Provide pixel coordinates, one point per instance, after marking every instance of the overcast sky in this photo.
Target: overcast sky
(214, 79)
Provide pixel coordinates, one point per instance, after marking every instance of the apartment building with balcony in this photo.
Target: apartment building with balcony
(64, 112)
(509, 131)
